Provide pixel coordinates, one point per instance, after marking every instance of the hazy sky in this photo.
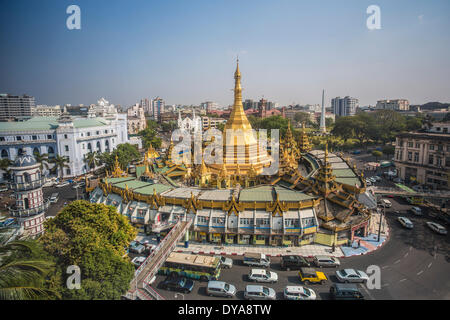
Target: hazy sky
(185, 51)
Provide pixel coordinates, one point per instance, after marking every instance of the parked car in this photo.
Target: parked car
(262, 275)
(309, 275)
(54, 198)
(136, 247)
(418, 188)
(351, 275)
(4, 189)
(405, 222)
(368, 183)
(220, 289)
(377, 178)
(180, 284)
(256, 259)
(326, 261)
(340, 291)
(372, 179)
(293, 262)
(255, 292)
(298, 293)
(416, 210)
(225, 263)
(137, 261)
(436, 227)
(398, 180)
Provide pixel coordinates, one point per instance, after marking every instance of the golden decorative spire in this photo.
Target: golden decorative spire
(238, 119)
(117, 172)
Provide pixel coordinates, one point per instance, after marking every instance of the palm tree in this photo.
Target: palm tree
(5, 163)
(22, 278)
(42, 159)
(60, 163)
(91, 159)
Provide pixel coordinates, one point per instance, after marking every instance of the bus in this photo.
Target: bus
(193, 266)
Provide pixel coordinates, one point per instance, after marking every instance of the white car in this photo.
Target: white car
(377, 178)
(368, 183)
(225, 263)
(405, 222)
(63, 184)
(263, 275)
(137, 261)
(436, 227)
(417, 211)
(298, 293)
(351, 275)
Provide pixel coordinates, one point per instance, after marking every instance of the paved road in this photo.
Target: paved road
(66, 195)
(409, 269)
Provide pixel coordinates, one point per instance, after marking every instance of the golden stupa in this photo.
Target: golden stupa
(240, 144)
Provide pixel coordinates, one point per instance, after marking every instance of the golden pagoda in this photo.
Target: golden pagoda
(240, 139)
(303, 143)
(118, 172)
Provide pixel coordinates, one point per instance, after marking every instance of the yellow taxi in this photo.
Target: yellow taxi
(309, 275)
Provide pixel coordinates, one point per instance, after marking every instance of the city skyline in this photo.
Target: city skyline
(185, 53)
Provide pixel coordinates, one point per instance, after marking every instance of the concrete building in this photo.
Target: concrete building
(208, 106)
(136, 119)
(158, 108)
(15, 107)
(191, 125)
(147, 106)
(208, 122)
(424, 157)
(64, 136)
(344, 106)
(46, 111)
(397, 105)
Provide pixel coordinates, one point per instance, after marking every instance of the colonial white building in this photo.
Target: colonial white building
(193, 125)
(64, 136)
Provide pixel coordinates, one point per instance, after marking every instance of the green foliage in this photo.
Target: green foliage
(149, 135)
(274, 122)
(168, 126)
(389, 150)
(377, 154)
(93, 237)
(302, 117)
(126, 154)
(60, 162)
(26, 272)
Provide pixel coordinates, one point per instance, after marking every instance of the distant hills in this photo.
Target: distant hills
(434, 105)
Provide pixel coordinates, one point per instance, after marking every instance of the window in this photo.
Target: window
(49, 136)
(2, 138)
(19, 138)
(65, 136)
(410, 144)
(417, 145)
(439, 161)
(409, 156)
(88, 134)
(5, 154)
(67, 171)
(202, 220)
(246, 221)
(34, 137)
(440, 147)
(416, 157)
(106, 131)
(97, 133)
(66, 148)
(430, 159)
(308, 222)
(431, 146)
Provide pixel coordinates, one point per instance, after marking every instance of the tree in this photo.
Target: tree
(377, 154)
(343, 128)
(23, 272)
(149, 137)
(60, 162)
(93, 237)
(388, 150)
(42, 159)
(91, 160)
(5, 163)
(302, 117)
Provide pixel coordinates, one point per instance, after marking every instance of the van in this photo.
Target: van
(344, 291)
(255, 292)
(220, 289)
(256, 259)
(54, 198)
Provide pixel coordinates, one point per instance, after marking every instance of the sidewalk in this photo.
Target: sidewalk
(306, 250)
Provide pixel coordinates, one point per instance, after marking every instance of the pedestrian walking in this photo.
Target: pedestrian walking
(359, 243)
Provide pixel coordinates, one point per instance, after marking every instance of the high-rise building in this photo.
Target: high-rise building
(158, 108)
(145, 104)
(208, 106)
(15, 107)
(397, 105)
(344, 106)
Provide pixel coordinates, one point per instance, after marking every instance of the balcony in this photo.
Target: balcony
(29, 212)
(25, 186)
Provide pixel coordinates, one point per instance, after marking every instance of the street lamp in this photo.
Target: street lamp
(381, 220)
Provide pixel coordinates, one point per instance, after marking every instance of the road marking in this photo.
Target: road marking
(367, 291)
(410, 248)
(420, 272)
(406, 254)
(397, 261)
(403, 280)
(430, 264)
(384, 267)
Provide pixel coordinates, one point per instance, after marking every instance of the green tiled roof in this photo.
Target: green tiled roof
(118, 180)
(132, 184)
(349, 181)
(258, 194)
(344, 173)
(291, 195)
(158, 187)
(49, 123)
